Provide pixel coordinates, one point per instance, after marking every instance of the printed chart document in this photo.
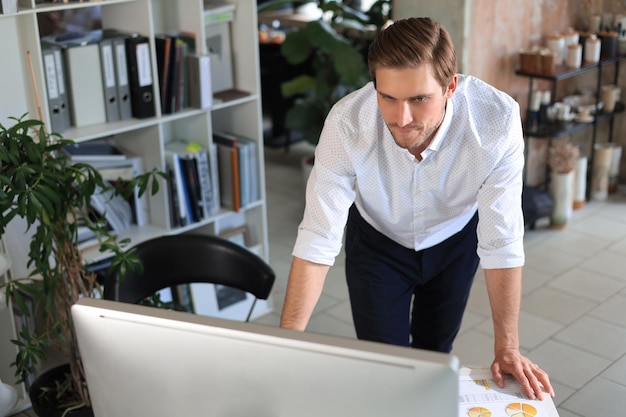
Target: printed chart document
(479, 396)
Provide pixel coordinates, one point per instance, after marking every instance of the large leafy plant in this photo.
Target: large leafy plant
(335, 47)
(42, 189)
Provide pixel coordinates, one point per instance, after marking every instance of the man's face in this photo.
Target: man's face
(412, 104)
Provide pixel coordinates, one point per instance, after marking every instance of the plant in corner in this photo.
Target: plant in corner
(335, 45)
(40, 188)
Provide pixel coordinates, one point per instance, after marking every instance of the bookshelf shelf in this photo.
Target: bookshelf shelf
(148, 137)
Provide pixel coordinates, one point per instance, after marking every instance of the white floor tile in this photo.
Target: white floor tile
(598, 399)
(617, 371)
(568, 365)
(587, 284)
(556, 305)
(595, 336)
(608, 263)
(612, 310)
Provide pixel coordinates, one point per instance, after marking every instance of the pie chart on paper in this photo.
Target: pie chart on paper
(521, 410)
(478, 412)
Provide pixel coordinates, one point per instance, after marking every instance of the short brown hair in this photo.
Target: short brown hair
(414, 41)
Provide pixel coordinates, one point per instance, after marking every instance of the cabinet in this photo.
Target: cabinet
(554, 130)
(22, 83)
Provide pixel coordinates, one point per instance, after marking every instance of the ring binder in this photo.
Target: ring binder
(109, 82)
(55, 82)
(140, 76)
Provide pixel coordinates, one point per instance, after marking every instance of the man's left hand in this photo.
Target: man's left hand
(534, 380)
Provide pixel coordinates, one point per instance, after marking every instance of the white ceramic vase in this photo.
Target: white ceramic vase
(600, 172)
(580, 182)
(562, 191)
(616, 156)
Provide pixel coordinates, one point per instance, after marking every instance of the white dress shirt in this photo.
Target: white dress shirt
(474, 162)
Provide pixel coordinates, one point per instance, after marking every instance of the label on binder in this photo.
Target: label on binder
(144, 71)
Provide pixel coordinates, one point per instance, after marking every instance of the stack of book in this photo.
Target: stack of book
(239, 170)
(194, 183)
(115, 167)
(172, 53)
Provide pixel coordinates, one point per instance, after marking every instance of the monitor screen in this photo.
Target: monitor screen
(143, 361)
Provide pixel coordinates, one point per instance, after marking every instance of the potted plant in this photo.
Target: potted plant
(562, 161)
(41, 188)
(335, 45)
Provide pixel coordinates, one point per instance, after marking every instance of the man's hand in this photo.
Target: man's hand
(533, 379)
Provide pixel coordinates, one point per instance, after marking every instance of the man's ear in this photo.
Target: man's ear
(451, 87)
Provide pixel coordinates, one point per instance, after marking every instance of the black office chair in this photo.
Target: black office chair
(174, 260)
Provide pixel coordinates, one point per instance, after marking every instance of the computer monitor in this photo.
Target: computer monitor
(143, 361)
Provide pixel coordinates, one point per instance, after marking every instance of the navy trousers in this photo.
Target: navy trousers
(385, 278)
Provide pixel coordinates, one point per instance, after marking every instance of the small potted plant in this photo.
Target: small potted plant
(43, 190)
(562, 161)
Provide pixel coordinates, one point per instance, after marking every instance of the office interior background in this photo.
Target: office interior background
(574, 295)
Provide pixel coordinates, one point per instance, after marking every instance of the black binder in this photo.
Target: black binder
(140, 76)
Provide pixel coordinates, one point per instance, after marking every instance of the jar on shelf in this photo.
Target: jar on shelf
(574, 55)
(556, 43)
(592, 49)
(571, 36)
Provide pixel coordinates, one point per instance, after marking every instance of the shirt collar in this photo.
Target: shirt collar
(441, 132)
(443, 129)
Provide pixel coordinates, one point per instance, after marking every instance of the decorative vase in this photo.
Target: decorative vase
(47, 379)
(580, 182)
(616, 156)
(562, 191)
(600, 172)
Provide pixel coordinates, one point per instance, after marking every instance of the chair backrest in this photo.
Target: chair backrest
(173, 260)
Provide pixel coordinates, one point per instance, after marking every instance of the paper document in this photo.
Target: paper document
(479, 396)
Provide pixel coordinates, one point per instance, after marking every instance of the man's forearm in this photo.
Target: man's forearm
(504, 289)
(304, 288)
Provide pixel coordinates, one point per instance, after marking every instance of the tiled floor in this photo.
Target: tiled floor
(573, 319)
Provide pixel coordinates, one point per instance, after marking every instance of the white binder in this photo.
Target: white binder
(84, 76)
(121, 71)
(109, 83)
(55, 88)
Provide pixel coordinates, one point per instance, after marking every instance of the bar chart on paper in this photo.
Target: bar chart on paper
(479, 396)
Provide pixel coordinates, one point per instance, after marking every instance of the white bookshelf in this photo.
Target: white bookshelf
(144, 137)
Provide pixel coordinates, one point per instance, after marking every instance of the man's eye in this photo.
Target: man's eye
(420, 99)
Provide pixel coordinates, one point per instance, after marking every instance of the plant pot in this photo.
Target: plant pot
(46, 379)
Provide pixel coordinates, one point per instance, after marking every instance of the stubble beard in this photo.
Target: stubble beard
(414, 141)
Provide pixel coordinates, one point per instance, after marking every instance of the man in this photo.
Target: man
(425, 165)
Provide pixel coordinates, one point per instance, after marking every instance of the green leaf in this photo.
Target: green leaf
(299, 85)
(296, 48)
(349, 64)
